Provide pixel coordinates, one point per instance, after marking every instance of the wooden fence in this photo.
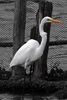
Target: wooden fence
(52, 43)
(45, 9)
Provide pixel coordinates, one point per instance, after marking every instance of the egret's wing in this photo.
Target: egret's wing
(24, 52)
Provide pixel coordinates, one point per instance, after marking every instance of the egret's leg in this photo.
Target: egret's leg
(24, 76)
(30, 75)
(27, 63)
(28, 70)
(27, 66)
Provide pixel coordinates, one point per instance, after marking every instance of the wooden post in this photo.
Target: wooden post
(47, 12)
(19, 24)
(18, 33)
(45, 9)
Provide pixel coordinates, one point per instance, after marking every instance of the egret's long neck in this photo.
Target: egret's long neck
(43, 35)
(43, 44)
(41, 27)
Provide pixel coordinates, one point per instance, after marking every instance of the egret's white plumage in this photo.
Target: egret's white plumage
(32, 50)
(26, 52)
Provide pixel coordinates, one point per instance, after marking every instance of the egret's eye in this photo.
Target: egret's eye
(49, 19)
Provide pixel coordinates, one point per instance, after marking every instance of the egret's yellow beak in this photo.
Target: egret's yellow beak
(54, 20)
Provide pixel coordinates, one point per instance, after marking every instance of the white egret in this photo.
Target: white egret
(32, 50)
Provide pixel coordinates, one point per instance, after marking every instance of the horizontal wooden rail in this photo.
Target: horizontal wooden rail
(60, 42)
(6, 1)
(6, 44)
(52, 43)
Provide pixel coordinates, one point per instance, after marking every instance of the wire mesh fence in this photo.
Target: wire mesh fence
(58, 31)
(6, 33)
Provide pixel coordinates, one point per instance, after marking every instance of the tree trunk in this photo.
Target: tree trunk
(47, 12)
(40, 66)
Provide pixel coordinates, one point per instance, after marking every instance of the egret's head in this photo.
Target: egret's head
(46, 20)
(49, 19)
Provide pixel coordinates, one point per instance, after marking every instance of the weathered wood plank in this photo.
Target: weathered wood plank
(18, 33)
(45, 9)
(51, 43)
(19, 24)
(47, 12)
